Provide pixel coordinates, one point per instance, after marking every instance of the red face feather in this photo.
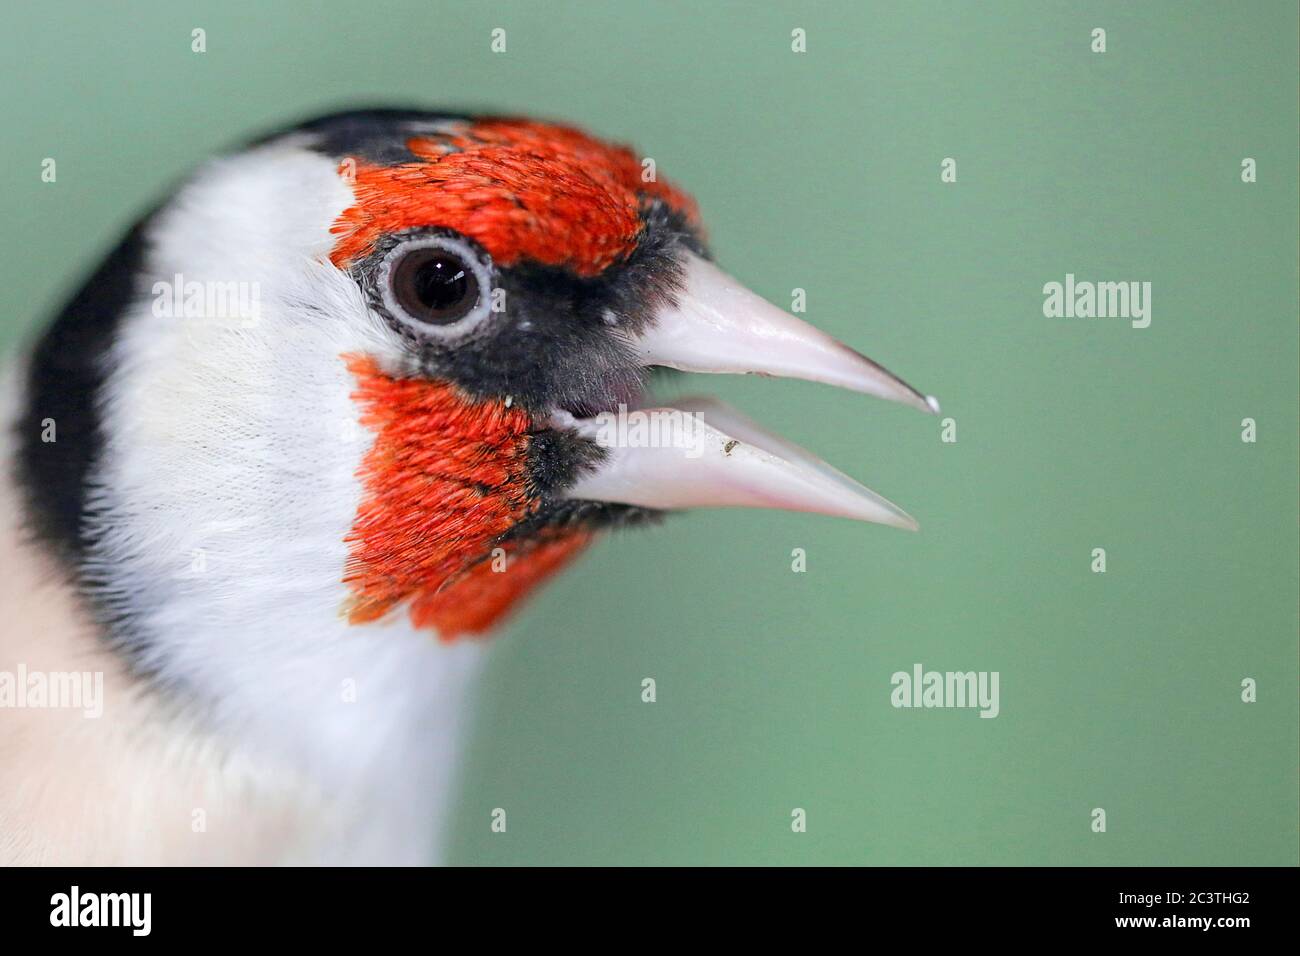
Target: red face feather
(521, 189)
(446, 477)
(479, 598)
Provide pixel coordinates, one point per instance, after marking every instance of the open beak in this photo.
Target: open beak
(703, 453)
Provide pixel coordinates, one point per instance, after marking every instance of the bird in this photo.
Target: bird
(314, 428)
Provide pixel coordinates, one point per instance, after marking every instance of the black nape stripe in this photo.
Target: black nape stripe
(371, 134)
(65, 378)
(69, 364)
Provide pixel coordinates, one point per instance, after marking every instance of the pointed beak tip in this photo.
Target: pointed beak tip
(879, 510)
(904, 521)
(717, 326)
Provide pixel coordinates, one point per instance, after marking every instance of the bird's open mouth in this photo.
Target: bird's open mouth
(703, 453)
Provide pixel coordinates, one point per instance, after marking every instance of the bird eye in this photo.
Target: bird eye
(436, 284)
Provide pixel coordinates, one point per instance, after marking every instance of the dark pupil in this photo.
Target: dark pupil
(435, 286)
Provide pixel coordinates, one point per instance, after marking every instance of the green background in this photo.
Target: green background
(1118, 690)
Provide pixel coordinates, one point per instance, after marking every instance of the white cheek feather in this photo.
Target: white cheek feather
(227, 487)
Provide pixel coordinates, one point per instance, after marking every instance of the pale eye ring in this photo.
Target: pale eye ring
(436, 285)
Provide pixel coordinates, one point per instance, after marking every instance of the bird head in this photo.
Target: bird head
(377, 364)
